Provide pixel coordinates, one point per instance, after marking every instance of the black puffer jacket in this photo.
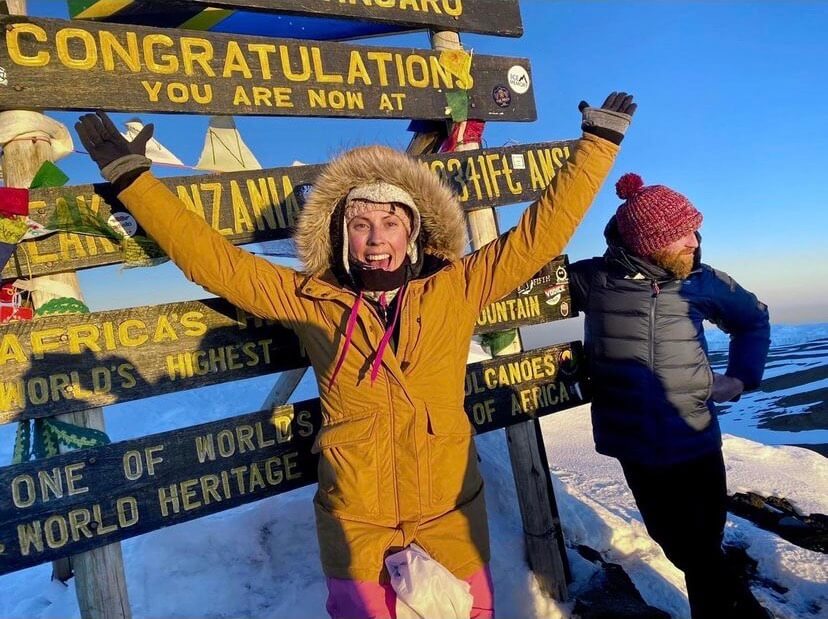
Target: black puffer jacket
(647, 354)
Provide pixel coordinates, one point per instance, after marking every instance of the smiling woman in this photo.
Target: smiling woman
(382, 224)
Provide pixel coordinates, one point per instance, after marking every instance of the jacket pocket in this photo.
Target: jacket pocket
(348, 471)
(452, 458)
(710, 377)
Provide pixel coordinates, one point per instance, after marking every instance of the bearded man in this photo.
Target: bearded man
(654, 393)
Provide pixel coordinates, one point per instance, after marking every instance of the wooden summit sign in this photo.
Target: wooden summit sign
(59, 65)
(500, 17)
(60, 364)
(71, 503)
(262, 205)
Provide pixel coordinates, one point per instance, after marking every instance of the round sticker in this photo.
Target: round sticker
(502, 96)
(518, 79)
(123, 223)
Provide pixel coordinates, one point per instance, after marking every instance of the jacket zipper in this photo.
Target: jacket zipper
(653, 300)
(656, 290)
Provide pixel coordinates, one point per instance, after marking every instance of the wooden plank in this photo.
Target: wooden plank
(66, 363)
(59, 65)
(73, 502)
(59, 364)
(499, 17)
(544, 298)
(263, 205)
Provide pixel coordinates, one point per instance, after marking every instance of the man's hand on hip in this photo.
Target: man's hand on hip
(726, 388)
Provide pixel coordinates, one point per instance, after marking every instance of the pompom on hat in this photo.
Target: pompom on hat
(652, 216)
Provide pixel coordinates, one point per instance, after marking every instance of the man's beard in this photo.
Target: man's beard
(678, 263)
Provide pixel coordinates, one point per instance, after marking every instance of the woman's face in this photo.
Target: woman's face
(378, 240)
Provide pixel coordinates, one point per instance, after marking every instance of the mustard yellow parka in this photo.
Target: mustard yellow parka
(397, 459)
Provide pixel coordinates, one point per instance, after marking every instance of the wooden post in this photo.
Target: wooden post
(285, 386)
(543, 534)
(100, 583)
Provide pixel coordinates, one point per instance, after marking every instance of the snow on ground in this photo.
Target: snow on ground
(597, 498)
(260, 560)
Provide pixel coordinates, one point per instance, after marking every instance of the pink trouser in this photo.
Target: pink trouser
(356, 599)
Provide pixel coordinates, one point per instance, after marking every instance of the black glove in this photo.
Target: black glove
(612, 119)
(118, 159)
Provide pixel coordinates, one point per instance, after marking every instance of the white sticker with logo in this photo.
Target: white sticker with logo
(123, 223)
(553, 294)
(4, 81)
(518, 79)
(518, 162)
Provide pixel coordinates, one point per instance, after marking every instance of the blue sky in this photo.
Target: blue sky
(733, 112)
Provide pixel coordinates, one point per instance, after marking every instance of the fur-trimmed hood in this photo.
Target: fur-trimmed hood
(443, 232)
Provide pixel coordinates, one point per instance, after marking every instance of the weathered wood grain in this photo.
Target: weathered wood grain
(263, 205)
(80, 65)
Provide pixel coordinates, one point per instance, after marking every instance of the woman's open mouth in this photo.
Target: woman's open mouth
(378, 261)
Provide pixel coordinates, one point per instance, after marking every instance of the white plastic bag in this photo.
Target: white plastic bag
(426, 589)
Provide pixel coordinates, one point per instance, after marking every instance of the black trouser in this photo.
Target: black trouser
(684, 507)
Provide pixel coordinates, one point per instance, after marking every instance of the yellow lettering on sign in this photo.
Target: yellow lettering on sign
(12, 395)
(59, 529)
(193, 323)
(125, 372)
(542, 396)
(164, 331)
(262, 50)
(240, 96)
(10, 349)
(535, 174)
(168, 62)
(90, 49)
(515, 187)
(261, 202)
(83, 337)
(228, 484)
(126, 335)
(357, 69)
(191, 199)
(483, 412)
(520, 371)
(304, 423)
(44, 341)
(242, 221)
(235, 62)
(195, 50)
(303, 74)
(153, 90)
(381, 59)
(321, 76)
(335, 99)
(40, 59)
(111, 47)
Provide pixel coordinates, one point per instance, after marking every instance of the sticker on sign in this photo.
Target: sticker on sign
(518, 79)
(123, 223)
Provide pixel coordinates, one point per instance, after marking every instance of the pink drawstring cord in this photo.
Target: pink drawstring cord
(386, 336)
(349, 331)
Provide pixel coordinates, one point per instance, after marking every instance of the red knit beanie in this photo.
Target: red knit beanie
(652, 217)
